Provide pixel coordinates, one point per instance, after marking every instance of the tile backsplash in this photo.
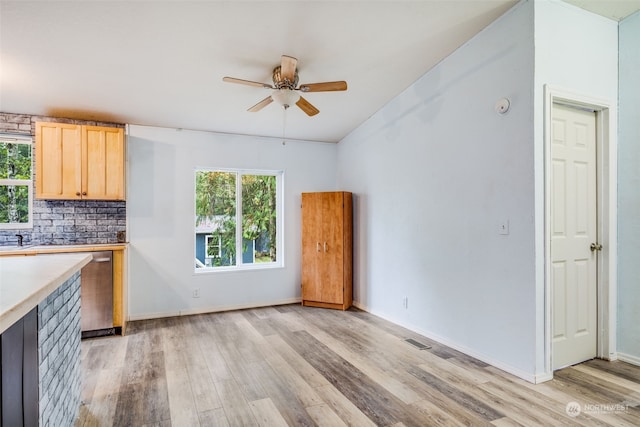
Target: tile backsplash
(70, 222)
(64, 222)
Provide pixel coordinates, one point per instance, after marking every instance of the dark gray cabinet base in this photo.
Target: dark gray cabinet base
(19, 372)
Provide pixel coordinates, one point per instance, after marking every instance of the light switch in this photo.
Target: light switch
(503, 227)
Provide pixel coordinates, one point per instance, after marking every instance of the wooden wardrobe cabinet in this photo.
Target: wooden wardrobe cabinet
(79, 162)
(327, 247)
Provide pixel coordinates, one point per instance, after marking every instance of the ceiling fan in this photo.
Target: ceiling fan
(285, 92)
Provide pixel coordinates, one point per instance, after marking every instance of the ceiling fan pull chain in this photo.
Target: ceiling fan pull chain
(284, 123)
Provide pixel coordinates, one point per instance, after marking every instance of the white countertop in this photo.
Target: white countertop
(49, 249)
(27, 280)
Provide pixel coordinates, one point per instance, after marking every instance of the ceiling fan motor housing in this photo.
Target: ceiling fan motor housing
(282, 83)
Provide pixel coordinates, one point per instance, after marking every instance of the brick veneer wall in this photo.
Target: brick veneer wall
(64, 222)
(60, 384)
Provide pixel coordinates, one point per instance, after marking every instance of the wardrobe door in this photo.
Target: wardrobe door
(332, 248)
(311, 246)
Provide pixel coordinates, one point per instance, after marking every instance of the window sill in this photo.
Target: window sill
(242, 268)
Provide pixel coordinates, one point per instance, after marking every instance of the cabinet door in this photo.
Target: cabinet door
(332, 248)
(103, 163)
(19, 372)
(311, 249)
(58, 161)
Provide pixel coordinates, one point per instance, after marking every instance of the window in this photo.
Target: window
(213, 249)
(237, 221)
(16, 187)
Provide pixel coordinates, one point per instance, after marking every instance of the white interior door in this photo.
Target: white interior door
(573, 230)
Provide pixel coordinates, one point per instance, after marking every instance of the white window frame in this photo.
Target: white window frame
(11, 139)
(207, 239)
(239, 265)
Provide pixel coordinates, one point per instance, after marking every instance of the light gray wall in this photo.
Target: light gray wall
(435, 172)
(575, 51)
(628, 191)
(160, 204)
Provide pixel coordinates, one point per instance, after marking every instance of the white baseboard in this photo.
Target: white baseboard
(205, 310)
(540, 378)
(535, 379)
(360, 306)
(634, 360)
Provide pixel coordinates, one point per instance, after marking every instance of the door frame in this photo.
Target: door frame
(606, 199)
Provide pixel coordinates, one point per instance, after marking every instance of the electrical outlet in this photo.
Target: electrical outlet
(405, 302)
(196, 293)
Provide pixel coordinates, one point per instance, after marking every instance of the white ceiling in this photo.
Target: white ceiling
(613, 9)
(162, 63)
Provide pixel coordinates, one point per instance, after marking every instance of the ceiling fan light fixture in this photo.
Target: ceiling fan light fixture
(285, 87)
(285, 97)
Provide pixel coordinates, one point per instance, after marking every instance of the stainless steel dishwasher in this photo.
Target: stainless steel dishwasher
(96, 296)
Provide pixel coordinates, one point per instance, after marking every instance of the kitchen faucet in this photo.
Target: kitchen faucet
(20, 237)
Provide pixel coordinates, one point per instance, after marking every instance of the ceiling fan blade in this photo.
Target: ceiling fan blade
(260, 105)
(288, 67)
(246, 82)
(323, 87)
(307, 107)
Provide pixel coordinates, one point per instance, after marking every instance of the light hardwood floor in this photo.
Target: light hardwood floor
(302, 366)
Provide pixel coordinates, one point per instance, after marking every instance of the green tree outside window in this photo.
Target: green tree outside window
(15, 183)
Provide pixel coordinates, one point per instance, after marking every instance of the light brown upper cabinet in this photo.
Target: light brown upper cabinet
(327, 246)
(79, 162)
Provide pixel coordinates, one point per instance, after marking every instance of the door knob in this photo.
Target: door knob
(595, 247)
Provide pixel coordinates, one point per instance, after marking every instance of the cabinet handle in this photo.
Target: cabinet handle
(325, 246)
(77, 193)
(318, 247)
(84, 193)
